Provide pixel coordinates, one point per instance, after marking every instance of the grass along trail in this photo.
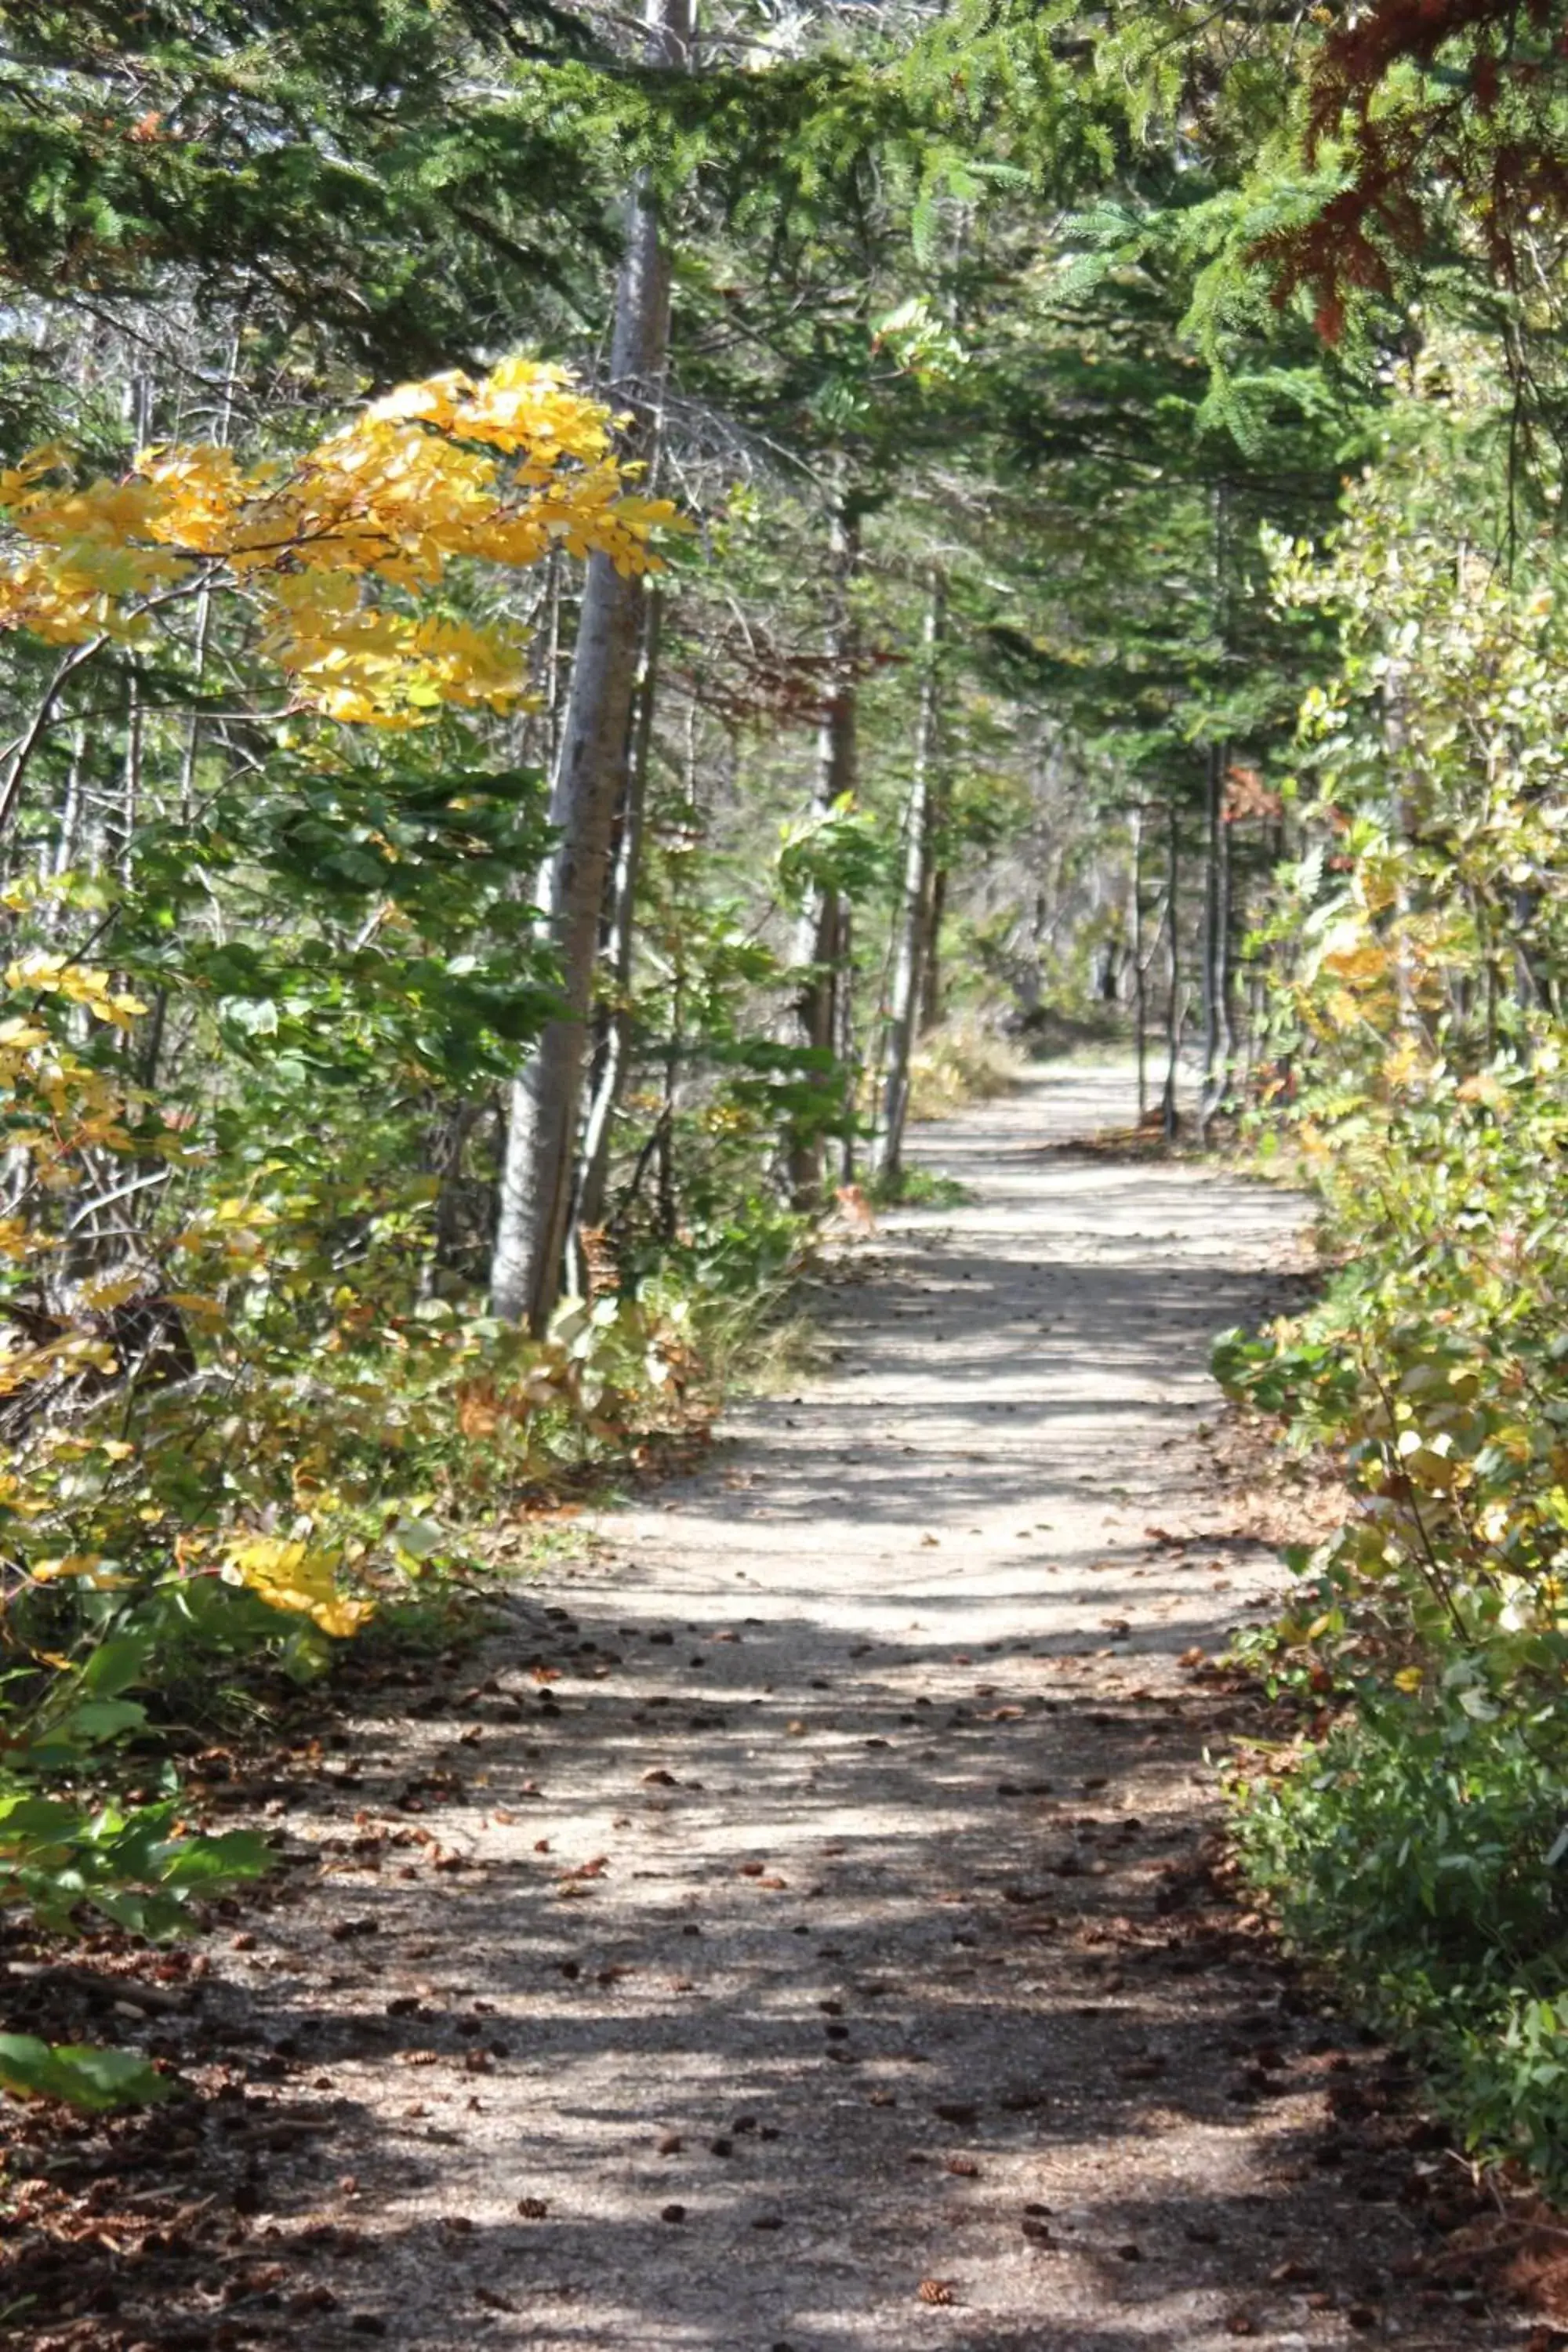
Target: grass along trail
(820, 1949)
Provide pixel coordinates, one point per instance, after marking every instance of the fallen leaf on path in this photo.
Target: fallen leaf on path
(533, 2209)
(935, 2290)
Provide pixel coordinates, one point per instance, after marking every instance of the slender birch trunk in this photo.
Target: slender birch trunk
(1140, 971)
(1173, 993)
(610, 1074)
(844, 1036)
(1213, 1085)
(817, 947)
(1218, 1045)
(915, 908)
(545, 1103)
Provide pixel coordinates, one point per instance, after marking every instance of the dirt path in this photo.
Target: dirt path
(838, 1921)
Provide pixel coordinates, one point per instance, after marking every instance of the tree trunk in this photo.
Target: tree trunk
(914, 942)
(1139, 974)
(545, 1102)
(610, 1074)
(1214, 975)
(1227, 1021)
(844, 1034)
(1173, 993)
(819, 940)
(932, 993)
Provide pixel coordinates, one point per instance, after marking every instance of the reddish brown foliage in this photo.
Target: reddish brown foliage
(1487, 126)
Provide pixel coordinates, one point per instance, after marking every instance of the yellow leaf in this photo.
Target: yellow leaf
(112, 1292)
(291, 1577)
(198, 1306)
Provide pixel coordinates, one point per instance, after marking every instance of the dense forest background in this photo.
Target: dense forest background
(591, 606)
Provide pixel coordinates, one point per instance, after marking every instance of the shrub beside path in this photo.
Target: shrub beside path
(804, 1931)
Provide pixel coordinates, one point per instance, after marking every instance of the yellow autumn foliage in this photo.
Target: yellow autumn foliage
(335, 549)
(292, 1576)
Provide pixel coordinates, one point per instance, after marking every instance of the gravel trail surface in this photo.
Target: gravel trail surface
(808, 1940)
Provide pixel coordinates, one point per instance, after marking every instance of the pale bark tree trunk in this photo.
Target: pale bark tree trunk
(1173, 1008)
(844, 1035)
(610, 1074)
(914, 942)
(1140, 969)
(1218, 1043)
(545, 1103)
(819, 941)
(1215, 927)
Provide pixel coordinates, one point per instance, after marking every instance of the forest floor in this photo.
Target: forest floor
(809, 1928)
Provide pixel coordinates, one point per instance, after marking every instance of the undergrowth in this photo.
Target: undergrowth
(963, 1061)
(1415, 1846)
(263, 1439)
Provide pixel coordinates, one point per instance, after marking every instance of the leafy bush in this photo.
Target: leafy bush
(1413, 1847)
(1411, 1853)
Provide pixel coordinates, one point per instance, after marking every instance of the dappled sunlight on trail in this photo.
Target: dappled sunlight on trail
(804, 1931)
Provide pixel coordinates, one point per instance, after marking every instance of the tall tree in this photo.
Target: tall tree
(822, 940)
(540, 1167)
(917, 915)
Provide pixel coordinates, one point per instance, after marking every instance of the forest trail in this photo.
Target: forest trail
(841, 1913)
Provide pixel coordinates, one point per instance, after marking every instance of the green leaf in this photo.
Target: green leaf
(116, 1665)
(82, 2077)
